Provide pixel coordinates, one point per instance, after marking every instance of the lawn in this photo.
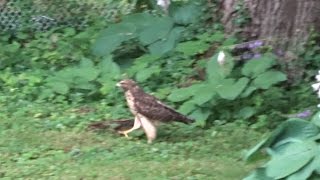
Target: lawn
(49, 141)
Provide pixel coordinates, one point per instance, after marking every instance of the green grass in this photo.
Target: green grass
(46, 141)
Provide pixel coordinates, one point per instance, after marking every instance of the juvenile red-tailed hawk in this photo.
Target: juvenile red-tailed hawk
(147, 110)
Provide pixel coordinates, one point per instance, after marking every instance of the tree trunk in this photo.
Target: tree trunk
(283, 23)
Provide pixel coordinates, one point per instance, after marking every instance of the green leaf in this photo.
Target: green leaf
(292, 157)
(109, 68)
(258, 174)
(182, 94)
(112, 37)
(316, 119)
(251, 152)
(59, 87)
(291, 129)
(200, 116)
(269, 78)
(203, 94)
(190, 48)
(146, 73)
(187, 107)
(248, 91)
(158, 30)
(215, 73)
(186, 14)
(253, 68)
(306, 171)
(230, 90)
(140, 20)
(246, 112)
(166, 45)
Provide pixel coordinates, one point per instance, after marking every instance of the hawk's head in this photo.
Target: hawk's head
(127, 84)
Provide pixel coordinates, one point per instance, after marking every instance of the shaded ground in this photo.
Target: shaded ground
(34, 145)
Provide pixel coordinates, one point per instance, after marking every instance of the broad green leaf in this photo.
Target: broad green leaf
(269, 78)
(253, 68)
(292, 157)
(112, 37)
(182, 94)
(59, 87)
(246, 112)
(200, 116)
(146, 73)
(258, 174)
(316, 119)
(203, 95)
(187, 107)
(190, 48)
(306, 171)
(291, 129)
(230, 41)
(12, 47)
(186, 14)
(109, 68)
(251, 152)
(215, 72)
(248, 91)
(87, 74)
(230, 90)
(168, 44)
(140, 20)
(157, 31)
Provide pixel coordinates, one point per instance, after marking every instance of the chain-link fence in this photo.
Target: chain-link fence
(42, 15)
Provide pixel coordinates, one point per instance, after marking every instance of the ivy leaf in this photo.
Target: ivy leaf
(269, 78)
(230, 90)
(253, 68)
(291, 158)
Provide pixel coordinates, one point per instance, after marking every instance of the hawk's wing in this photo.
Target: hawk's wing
(153, 109)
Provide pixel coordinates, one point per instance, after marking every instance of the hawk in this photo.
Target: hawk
(147, 110)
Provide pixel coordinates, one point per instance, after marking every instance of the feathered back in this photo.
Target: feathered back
(150, 107)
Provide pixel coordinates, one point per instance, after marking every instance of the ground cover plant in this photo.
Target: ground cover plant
(58, 78)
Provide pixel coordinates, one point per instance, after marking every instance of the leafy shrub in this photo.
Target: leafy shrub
(294, 151)
(224, 83)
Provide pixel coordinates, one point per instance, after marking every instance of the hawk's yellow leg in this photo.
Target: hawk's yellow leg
(136, 125)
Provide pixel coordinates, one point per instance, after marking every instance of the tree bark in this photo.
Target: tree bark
(283, 23)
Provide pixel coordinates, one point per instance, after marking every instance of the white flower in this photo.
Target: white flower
(221, 58)
(318, 77)
(316, 86)
(164, 4)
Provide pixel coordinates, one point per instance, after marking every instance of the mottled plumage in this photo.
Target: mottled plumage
(148, 110)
